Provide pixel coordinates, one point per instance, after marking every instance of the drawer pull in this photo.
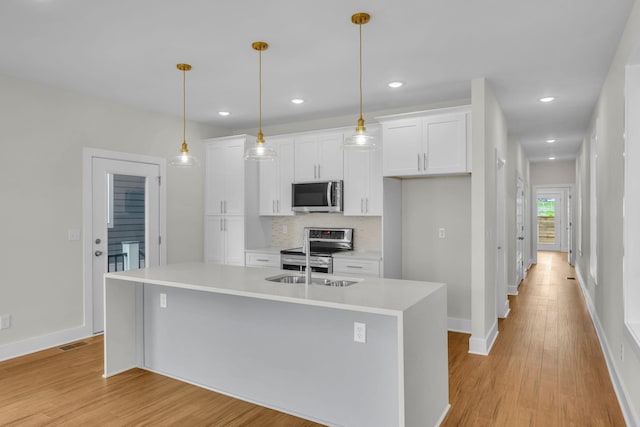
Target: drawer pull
(354, 266)
(262, 260)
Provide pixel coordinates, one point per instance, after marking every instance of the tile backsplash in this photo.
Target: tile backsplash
(367, 230)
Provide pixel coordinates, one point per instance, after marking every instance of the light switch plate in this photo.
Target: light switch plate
(5, 321)
(163, 300)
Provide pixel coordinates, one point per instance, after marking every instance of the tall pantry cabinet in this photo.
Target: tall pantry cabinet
(231, 222)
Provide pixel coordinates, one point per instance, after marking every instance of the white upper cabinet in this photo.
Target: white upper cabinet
(433, 142)
(318, 157)
(276, 178)
(363, 181)
(225, 177)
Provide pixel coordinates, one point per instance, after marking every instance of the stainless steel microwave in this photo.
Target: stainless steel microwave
(317, 196)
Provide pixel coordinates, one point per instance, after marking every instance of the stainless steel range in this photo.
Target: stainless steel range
(324, 242)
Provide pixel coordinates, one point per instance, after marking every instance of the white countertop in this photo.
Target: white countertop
(268, 250)
(373, 295)
(361, 255)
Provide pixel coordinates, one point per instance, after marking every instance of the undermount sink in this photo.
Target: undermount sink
(296, 278)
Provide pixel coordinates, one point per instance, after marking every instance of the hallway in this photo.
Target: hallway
(546, 367)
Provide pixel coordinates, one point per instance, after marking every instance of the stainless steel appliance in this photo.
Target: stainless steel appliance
(324, 242)
(317, 196)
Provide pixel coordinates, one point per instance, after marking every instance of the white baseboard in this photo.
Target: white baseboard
(513, 289)
(504, 310)
(629, 414)
(459, 325)
(482, 346)
(444, 414)
(43, 342)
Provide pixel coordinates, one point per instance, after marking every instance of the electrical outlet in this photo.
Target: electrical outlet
(441, 233)
(359, 332)
(5, 321)
(285, 229)
(163, 300)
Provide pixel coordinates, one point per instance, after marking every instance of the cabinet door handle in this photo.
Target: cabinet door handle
(315, 171)
(418, 161)
(225, 206)
(225, 224)
(361, 205)
(318, 171)
(424, 163)
(221, 208)
(221, 227)
(366, 205)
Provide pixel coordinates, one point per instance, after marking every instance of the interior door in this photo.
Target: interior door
(125, 222)
(519, 231)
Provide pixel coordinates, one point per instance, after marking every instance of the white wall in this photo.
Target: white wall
(429, 204)
(517, 166)
(489, 132)
(43, 130)
(605, 300)
(553, 172)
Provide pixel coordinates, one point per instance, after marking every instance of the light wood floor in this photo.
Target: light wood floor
(546, 369)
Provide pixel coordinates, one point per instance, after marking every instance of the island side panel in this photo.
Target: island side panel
(122, 321)
(296, 358)
(426, 364)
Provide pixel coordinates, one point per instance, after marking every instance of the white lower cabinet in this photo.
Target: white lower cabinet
(353, 267)
(225, 237)
(257, 259)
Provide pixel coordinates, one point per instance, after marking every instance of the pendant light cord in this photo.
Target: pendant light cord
(360, 27)
(184, 105)
(260, 89)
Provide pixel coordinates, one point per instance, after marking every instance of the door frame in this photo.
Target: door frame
(568, 236)
(88, 154)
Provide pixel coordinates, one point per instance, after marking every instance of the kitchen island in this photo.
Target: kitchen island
(290, 347)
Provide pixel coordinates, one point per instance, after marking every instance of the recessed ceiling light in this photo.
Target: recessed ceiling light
(395, 85)
(552, 158)
(223, 113)
(297, 101)
(547, 99)
(550, 141)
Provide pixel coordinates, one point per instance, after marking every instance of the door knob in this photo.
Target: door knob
(98, 253)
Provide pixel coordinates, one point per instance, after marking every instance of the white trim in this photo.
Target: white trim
(504, 313)
(444, 414)
(43, 342)
(482, 346)
(513, 289)
(87, 219)
(630, 417)
(459, 325)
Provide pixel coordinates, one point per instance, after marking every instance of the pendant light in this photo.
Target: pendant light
(184, 159)
(260, 151)
(360, 140)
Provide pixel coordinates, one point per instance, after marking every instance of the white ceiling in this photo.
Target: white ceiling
(126, 51)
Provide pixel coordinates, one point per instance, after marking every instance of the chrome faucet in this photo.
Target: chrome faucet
(307, 254)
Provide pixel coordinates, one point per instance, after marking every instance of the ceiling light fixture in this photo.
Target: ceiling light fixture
(223, 113)
(184, 159)
(550, 141)
(360, 139)
(395, 85)
(297, 101)
(547, 99)
(260, 151)
(552, 158)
